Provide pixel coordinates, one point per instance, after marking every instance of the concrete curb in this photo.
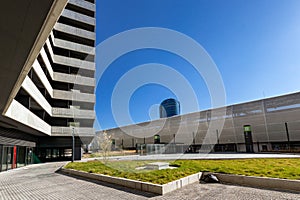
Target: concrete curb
(138, 185)
(252, 181)
(259, 182)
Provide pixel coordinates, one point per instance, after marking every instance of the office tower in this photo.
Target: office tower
(169, 107)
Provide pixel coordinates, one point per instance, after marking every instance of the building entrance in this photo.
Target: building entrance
(15, 156)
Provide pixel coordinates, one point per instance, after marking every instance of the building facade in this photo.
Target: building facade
(266, 125)
(56, 97)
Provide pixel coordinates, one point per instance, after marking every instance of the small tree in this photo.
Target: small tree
(105, 143)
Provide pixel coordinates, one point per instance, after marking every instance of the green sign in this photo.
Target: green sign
(247, 128)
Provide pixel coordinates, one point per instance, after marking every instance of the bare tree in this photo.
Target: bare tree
(105, 143)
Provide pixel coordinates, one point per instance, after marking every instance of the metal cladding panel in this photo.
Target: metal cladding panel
(283, 116)
(164, 138)
(278, 136)
(228, 123)
(267, 118)
(260, 136)
(294, 130)
(259, 128)
(251, 120)
(227, 136)
(295, 135)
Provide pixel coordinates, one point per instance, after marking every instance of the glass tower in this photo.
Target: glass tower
(169, 108)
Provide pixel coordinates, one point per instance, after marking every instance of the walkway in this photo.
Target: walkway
(41, 182)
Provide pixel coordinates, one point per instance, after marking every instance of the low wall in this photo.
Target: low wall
(138, 185)
(259, 182)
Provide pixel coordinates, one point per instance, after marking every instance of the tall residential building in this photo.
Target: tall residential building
(56, 98)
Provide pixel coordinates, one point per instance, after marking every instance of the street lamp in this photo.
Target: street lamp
(218, 141)
(73, 144)
(287, 135)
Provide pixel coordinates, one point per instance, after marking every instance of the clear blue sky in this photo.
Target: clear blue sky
(254, 43)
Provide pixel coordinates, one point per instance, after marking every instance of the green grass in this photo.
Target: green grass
(112, 153)
(275, 168)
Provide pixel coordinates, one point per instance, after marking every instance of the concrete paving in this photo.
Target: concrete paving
(41, 182)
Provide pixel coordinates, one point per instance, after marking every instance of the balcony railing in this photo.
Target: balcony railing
(73, 113)
(74, 96)
(67, 131)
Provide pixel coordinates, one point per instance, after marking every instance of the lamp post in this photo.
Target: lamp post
(73, 144)
(218, 141)
(287, 135)
(194, 142)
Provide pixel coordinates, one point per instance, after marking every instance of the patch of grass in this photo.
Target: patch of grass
(112, 153)
(274, 168)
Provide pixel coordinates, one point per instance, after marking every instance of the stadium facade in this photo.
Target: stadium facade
(266, 125)
(50, 99)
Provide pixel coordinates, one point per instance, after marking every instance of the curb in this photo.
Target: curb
(138, 185)
(250, 181)
(259, 182)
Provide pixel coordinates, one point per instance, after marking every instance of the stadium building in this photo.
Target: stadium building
(266, 125)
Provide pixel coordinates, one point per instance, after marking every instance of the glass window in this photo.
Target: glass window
(1, 155)
(21, 155)
(48, 153)
(4, 159)
(55, 153)
(29, 155)
(9, 157)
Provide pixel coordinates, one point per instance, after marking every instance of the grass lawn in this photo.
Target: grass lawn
(112, 153)
(275, 168)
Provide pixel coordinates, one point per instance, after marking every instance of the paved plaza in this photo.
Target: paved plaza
(42, 182)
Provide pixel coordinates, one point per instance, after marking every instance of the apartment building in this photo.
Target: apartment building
(53, 101)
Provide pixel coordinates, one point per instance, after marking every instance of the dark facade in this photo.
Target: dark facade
(169, 108)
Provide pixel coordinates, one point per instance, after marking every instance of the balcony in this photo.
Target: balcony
(67, 131)
(72, 78)
(73, 113)
(74, 96)
(73, 46)
(18, 112)
(75, 31)
(79, 17)
(83, 4)
(74, 62)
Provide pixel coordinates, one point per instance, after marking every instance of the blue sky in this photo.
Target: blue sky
(254, 43)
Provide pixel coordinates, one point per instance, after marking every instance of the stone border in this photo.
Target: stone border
(259, 182)
(252, 181)
(138, 185)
